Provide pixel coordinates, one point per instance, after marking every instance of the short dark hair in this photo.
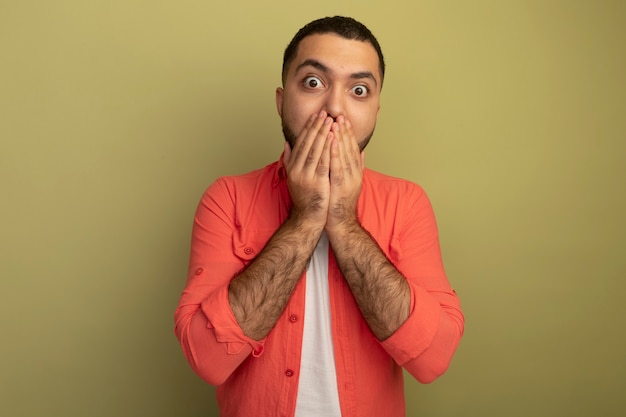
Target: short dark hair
(345, 27)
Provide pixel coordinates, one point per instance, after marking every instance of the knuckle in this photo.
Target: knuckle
(321, 170)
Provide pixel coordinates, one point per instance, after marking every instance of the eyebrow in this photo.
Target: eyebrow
(318, 65)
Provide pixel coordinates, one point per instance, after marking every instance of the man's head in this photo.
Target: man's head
(333, 64)
(346, 27)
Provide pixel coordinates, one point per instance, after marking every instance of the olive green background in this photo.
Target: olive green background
(116, 115)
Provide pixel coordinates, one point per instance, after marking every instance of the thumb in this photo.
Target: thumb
(287, 153)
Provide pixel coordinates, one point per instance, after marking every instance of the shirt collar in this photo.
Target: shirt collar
(280, 174)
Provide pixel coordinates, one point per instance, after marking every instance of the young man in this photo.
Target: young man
(314, 281)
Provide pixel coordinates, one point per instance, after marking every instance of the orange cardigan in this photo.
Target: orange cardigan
(234, 220)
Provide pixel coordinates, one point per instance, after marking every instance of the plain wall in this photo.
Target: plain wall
(116, 115)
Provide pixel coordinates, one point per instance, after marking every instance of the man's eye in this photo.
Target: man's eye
(360, 91)
(312, 82)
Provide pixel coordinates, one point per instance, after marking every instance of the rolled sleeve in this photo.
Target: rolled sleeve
(212, 340)
(425, 343)
(221, 319)
(416, 334)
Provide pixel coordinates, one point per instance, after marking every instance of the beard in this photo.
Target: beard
(291, 137)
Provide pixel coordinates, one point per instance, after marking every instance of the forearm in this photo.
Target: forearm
(259, 294)
(381, 292)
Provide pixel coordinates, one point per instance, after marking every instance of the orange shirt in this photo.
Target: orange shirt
(234, 220)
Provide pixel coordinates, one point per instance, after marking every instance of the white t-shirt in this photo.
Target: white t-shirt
(317, 388)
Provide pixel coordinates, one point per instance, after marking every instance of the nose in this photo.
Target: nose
(335, 103)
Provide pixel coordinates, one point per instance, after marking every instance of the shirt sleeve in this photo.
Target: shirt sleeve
(426, 341)
(212, 340)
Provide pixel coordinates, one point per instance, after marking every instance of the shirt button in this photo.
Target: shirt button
(293, 318)
(198, 271)
(248, 251)
(289, 372)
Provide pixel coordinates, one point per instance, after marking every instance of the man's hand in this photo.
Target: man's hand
(307, 166)
(346, 177)
(381, 292)
(258, 295)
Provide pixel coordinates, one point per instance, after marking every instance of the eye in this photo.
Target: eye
(360, 91)
(312, 82)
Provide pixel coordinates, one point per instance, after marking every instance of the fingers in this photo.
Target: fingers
(336, 167)
(323, 168)
(353, 146)
(307, 166)
(325, 146)
(346, 176)
(307, 153)
(346, 157)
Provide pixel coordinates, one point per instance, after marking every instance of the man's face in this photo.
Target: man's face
(334, 74)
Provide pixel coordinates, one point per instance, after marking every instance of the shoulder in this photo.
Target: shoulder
(252, 177)
(378, 183)
(241, 186)
(392, 208)
(248, 180)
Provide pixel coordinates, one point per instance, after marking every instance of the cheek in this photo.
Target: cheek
(293, 118)
(364, 122)
(297, 113)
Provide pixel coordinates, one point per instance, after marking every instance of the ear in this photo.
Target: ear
(279, 100)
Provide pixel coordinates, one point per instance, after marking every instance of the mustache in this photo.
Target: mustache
(291, 137)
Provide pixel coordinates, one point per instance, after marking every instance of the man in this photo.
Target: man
(314, 281)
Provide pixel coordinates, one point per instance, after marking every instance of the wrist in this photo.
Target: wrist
(306, 222)
(343, 230)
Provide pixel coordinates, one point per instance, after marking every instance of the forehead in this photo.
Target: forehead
(338, 53)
